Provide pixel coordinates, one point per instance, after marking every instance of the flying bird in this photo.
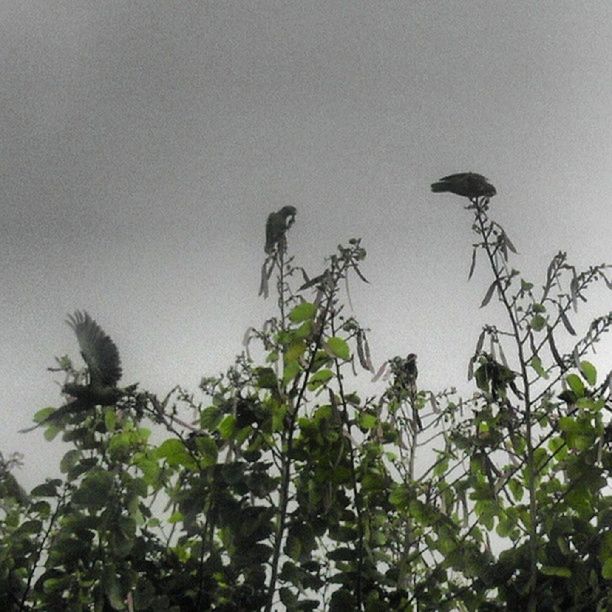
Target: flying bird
(104, 370)
(276, 227)
(466, 184)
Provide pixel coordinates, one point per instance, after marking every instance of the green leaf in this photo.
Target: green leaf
(227, 426)
(95, 490)
(43, 413)
(48, 489)
(538, 322)
(110, 419)
(337, 347)
(367, 421)
(536, 364)
(606, 570)
(303, 312)
(266, 378)
(295, 351)
(69, 460)
(553, 570)
(112, 589)
(589, 372)
(206, 445)
(320, 378)
(291, 370)
(575, 384)
(516, 488)
(175, 453)
(210, 417)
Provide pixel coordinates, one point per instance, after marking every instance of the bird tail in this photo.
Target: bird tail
(438, 187)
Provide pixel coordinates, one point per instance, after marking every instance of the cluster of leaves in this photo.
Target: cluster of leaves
(283, 487)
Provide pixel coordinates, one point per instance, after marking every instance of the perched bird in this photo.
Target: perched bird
(404, 385)
(466, 184)
(277, 225)
(103, 365)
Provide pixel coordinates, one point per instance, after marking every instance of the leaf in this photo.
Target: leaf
(363, 351)
(94, 490)
(266, 378)
(291, 370)
(175, 453)
(566, 322)
(538, 322)
(574, 292)
(380, 372)
(470, 373)
(553, 349)
(489, 294)
(207, 446)
(480, 343)
(589, 372)
(502, 356)
(575, 384)
(303, 312)
(367, 421)
(295, 351)
(509, 243)
(337, 347)
(263, 285)
(320, 378)
(48, 489)
(473, 264)
(536, 364)
(227, 426)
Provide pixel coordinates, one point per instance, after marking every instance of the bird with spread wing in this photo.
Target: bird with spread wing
(467, 184)
(103, 367)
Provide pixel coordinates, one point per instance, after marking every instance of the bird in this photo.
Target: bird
(276, 226)
(404, 385)
(104, 370)
(466, 184)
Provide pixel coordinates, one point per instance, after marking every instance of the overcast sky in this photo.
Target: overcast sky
(144, 143)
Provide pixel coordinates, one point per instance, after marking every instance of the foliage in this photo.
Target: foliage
(278, 485)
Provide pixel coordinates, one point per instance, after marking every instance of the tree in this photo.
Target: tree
(290, 488)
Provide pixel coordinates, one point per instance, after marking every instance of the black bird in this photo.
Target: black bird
(103, 365)
(404, 385)
(276, 227)
(466, 184)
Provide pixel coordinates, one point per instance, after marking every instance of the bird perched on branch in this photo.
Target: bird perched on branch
(103, 366)
(466, 184)
(276, 242)
(276, 227)
(404, 385)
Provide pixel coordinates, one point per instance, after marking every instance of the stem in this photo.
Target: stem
(533, 545)
(356, 493)
(59, 506)
(286, 457)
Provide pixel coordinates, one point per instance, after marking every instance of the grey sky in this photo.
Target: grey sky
(144, 143)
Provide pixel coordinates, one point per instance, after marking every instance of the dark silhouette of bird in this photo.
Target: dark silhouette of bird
(404, 385)
(103, 365)
(466, 184)
(276, 227)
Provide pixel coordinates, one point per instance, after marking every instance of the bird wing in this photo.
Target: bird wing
(98, 350)
(275, 228)
(461, 176)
